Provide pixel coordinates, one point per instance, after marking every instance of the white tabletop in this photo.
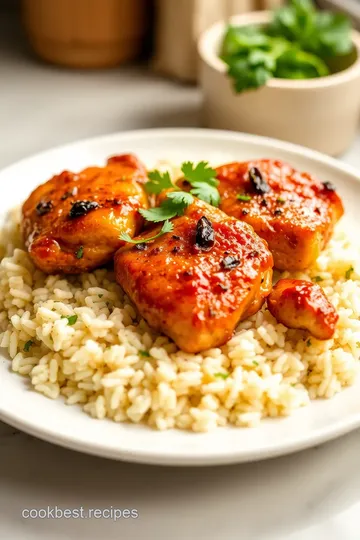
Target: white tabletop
(307, 496)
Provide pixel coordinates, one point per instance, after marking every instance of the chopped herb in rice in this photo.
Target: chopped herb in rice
(71, 319)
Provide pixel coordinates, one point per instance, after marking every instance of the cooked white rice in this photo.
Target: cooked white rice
(115, 366)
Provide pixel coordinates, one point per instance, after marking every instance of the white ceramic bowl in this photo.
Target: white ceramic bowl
(319, 113)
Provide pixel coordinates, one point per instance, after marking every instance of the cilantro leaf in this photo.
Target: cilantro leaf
(144, 353)
(247, 77)
(80, 252)
(71, 319)
(180, 198)
(296, 64)
(295, 21)
(206, 192)
(27, 345)
(242, 197)
(168, 209)
(222, 375)
(317, 279)
(160, 213)
(202, 172)
(237, 42)
(334, 34)
(158, 182)
(202, 179)
(348, 272)
(166, 228)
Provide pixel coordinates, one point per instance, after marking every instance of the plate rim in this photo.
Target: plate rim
(202, 132)
(322, 436)
(218, 457)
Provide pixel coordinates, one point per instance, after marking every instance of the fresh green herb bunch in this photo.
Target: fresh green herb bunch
(298, 43)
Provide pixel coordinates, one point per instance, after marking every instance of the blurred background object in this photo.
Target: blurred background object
(351, 7)
(179, 23)
(86, 33)
(103, 33)
(321, 113)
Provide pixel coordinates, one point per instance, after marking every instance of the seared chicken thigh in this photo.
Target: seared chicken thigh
(197, 282)
(72, 223)
(293, 211)
(303, 304)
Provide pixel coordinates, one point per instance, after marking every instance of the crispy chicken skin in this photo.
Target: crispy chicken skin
(293, 211)
(72, 223)
(196, 283)
(303, 304)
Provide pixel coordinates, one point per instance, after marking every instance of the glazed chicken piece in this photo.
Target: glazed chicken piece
(72, 223)
(293, 211)
(197, 282)
(303, 304)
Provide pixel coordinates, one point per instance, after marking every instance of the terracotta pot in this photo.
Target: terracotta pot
(85, 33)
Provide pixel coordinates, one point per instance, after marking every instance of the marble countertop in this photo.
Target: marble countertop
(310, 495)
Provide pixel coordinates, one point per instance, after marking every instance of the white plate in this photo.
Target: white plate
(69, 426)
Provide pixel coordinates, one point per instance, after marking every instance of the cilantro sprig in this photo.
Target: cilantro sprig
(201, 177)
(203, 182)
(166, 228)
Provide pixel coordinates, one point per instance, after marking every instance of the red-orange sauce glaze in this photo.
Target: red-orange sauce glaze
(72, 223)
(295, 214)
(303, 304)
(197, 295)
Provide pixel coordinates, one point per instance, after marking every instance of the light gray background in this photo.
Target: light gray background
(311, 495)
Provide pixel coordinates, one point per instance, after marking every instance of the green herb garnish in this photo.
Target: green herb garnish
(80, 252)
(255, 363)
(27, 345)
(222, 375)
(202, 179)
(166, 228)
(300, 42)
(244, 198)
(348, 272)
(71, 319)
(317, 279)
(100, 295)
(280, 200)
(157, 182)
(144, 353)
(308, 343)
